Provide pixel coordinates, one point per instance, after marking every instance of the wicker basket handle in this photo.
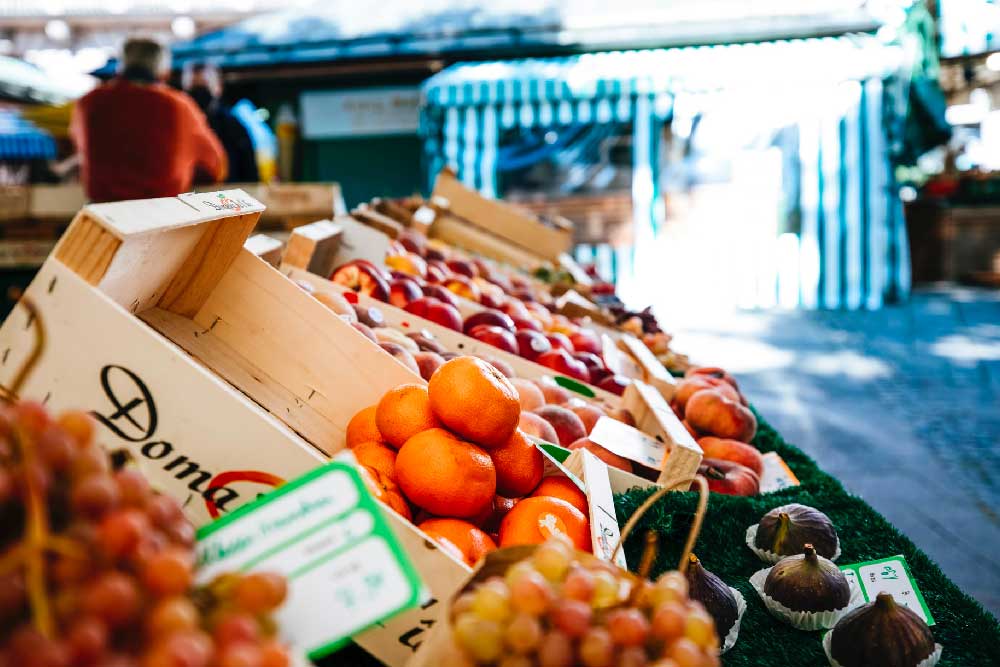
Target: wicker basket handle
(699, 517)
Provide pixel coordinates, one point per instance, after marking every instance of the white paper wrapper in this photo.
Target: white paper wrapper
(929, 661)
(802, 620)
(734, 632)
(770, 556)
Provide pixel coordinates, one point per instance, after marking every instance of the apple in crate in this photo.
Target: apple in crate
(495, 336)
(409, 263)
(729, 478)
(491, 317)
(463, 287)
(404, 290)
(362, 276)
(436, 311)
(532, 344)
(527, 323)
(441, 294)
(560, 361)
(560, 340)
(463, 268)
(585, 340)
(614, 383)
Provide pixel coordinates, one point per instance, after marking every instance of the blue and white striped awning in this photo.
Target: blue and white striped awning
(22, 140)
(618, 74)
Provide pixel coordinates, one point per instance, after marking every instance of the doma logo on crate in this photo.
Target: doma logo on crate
(132, 416)
(226, 203)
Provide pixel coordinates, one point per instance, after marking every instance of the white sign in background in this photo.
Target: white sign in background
(355, 113)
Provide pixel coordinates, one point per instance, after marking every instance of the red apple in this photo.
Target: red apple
(732, 450)
(527, 323)
(426, 342)
(403, 290)
(402, 355)
(436, 311)
(515, 309)
(436, 253)
(463, 268)
(495, 336)
(365, 331)
(435, 274)
(615, 384)
(602, 453)
(491, 317)
(729, 478)
(463, 287)
(427, 362)
(413, 241)
(362, 276)
(560, 340)
(408, 263)
(490, 300)
(369, 315)
(441, 294)
(532, 344)
(591, 361)
(585, 340)
(560, 361)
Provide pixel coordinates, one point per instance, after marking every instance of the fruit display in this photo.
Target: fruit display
(882, 632)
(552, 606)
(454, 456)
(786, 530)
(98, 569)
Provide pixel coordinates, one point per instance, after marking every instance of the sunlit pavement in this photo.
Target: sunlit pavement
(902, 405)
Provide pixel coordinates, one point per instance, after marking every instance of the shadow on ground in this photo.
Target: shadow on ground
(901, 404)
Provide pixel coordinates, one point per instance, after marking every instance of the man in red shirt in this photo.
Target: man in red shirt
(138, 138)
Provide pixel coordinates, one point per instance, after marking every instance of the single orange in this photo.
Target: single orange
(378, 456)
(535, 520)
(444, 475)
(403, 412)
(362, 427)
(563, 488)
(519, 465)
(475, 400)
(386, 491)
(471, 542)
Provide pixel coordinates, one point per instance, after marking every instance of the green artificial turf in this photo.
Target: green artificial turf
(969, 634)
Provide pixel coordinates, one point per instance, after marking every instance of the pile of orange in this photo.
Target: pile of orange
(451, 456)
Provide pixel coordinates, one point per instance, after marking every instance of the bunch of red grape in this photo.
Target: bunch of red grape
(559, 608)
(97, 570)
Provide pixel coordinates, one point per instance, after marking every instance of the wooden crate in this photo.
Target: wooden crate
(502, 220)
(218, 374)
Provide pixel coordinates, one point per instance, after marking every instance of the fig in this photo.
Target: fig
(786, 530)
(881, 633)
(714, 594)
(808, 582)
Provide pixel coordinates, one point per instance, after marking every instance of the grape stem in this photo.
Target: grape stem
(38, 540)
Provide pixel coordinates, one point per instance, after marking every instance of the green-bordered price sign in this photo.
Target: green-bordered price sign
(888, 575)
(326, 534)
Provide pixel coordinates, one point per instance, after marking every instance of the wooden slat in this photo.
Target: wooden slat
(219, 245)
(314, 247)
(463, 235)
(266, 247)
(87, 249)
(654, 416)
(655, 374)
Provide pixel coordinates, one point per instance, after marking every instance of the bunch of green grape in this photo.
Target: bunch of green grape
(97, 570)
(559, 608)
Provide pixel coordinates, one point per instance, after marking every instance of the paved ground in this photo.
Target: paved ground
(902, 405)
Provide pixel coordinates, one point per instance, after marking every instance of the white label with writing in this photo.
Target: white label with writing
(604, 529)
(888, 575)
(325, 533)
(629, 442)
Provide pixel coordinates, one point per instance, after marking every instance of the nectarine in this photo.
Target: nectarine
(528, 393)
(534, 425)
(713, 413)
(732, 450)
(568, 426)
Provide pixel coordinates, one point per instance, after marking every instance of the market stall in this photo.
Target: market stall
(848, 242)
(230, 386)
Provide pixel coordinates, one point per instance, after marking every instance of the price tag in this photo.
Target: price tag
(604, 529)
(326, 534)
(629, 442)
(777, 475)
(888, 575)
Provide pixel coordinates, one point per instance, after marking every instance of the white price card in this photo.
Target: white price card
(888, 575)
(328, 537)
(777, 475)
(604, 529)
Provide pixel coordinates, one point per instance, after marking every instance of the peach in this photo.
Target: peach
(605, 455)
(402, 355)
(554, 394)
(588, 414)
(711, 412)
(568, 426)
(688, 387)
(714, 372)
(427, 362)
(529, 394)
(732, 450)
(534, 425)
